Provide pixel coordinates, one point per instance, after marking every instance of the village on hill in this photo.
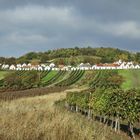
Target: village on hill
(83, 66)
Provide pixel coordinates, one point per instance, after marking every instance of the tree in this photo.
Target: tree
(138, 57)
(44, 58)
(13, 80)
(16, 81)
(30, 79)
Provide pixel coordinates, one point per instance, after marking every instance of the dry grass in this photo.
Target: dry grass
(37, 118)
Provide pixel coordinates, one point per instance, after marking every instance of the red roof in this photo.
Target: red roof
(108, 65)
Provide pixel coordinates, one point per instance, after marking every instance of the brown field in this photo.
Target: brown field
(12, 95)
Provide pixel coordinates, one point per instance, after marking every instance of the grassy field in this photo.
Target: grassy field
(37, 118)
(131, 78)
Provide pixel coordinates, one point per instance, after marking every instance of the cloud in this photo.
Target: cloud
(36, 15)
(34, 26)
(127, 29)
(39, 25)
(20, 39)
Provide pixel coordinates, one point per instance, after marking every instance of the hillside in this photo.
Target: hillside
(19, 80)
(73, 56)
(88, 104)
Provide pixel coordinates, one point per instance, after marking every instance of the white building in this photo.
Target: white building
(24, 65)
(137, 67)
(43, 65)
(29, 64)
(57, 69)
(40, 68)
(52, 65)
(18, 68)
(18, 65)
(47, 68)
(83, 66)
(12, 67)
(73, 68)
(5, 66)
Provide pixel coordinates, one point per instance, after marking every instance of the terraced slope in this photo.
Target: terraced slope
(48, 77)
(43, 74)
(73, 77)
(52, 77)
(98, 78)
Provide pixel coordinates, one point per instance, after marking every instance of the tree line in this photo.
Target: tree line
(66, 55)
(21, 80)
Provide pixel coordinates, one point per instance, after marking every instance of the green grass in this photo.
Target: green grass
(3, 74)
(49, 76)
(131, 78)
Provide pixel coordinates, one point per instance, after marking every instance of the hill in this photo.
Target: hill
(73, 56)
(19, 80)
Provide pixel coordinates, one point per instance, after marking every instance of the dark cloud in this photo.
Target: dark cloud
(39, 25)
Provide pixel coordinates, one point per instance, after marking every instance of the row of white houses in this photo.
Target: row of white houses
(42, 67)
(116, 65)
(24, 66)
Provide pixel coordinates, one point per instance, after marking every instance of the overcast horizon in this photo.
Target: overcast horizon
(41, 25)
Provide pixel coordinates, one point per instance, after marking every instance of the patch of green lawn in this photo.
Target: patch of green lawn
(136, 78)
(131, 78)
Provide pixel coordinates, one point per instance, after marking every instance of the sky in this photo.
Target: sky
(41, 25)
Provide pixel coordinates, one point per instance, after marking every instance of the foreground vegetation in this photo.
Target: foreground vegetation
(38, 118)
(112, 97)
(109, 105)
(107, 100)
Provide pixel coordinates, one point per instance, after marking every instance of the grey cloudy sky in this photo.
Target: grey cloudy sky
(39, 25)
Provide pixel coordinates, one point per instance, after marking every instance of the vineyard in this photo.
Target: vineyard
(106, 78)
(20, 80)
(111, 97)
(73, 77)
(108, 101)
(126, 79)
